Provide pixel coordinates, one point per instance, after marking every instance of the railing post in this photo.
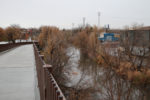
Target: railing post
(49, 89)
(42, 56)
(45, 87)
(58, 94)
(60, 98)
(55, 90)
(39, 52)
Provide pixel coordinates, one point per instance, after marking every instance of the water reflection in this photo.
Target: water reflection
(93, 82)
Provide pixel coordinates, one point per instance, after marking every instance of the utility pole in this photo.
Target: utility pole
(83, 22)
(98, 19)
(72, 27)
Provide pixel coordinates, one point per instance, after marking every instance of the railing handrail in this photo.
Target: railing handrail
(5, 47)
(55, 94)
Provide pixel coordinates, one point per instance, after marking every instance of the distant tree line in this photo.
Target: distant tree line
(15, 32)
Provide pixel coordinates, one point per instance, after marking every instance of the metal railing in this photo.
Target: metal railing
(4, 47)
(48, 87)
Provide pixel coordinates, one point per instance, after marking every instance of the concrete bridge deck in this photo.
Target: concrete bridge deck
(17, 74)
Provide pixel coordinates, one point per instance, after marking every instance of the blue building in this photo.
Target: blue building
(111, 37)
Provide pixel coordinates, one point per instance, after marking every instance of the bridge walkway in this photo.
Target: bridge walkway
(18, 79)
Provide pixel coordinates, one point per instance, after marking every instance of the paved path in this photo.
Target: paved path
(17, 74)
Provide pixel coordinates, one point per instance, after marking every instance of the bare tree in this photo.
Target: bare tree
(13, 32)
(2, 35)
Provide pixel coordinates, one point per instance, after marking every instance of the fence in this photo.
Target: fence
(4, 47)
(48, 87)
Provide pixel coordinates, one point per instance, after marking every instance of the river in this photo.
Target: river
(98, 82)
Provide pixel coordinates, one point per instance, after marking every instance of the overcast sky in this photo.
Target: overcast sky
(62, 13)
